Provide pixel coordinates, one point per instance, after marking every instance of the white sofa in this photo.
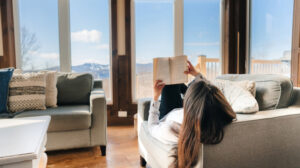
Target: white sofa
(267, 139)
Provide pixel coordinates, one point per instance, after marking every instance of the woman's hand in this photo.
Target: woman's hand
(191, 69)
(157, 88)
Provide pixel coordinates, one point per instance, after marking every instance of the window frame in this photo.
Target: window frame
(178, 43)
(65, 57)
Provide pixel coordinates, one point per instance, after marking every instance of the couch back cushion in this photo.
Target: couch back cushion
(74, 88)
(272, 91)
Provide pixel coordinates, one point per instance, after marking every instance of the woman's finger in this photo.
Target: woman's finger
(190, 64)
(157, 82)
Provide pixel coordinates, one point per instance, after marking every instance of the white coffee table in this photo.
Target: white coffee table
(22, 142)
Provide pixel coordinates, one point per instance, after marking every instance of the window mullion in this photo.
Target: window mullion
(64, 35)
(17, 33)
(178, 27)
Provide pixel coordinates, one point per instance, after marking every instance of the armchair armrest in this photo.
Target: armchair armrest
(99, 117)
(143, 111)
(143, 108)
(98, 84)
(296, 96)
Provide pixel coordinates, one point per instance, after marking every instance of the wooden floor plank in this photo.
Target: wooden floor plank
(122, 152)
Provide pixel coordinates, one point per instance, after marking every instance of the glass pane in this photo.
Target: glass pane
(90, 39)
(271, 36)
(154, 38)
(202, 35)
(39, 38)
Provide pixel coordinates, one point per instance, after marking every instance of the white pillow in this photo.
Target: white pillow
(240, 95)
(51, 90)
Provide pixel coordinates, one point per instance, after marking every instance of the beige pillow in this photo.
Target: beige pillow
(240, 95)
(18, 71)
(51, 90)
(27, 92)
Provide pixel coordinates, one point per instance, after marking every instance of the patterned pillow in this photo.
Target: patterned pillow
(239, 95)
(51, 89)
(27, 92)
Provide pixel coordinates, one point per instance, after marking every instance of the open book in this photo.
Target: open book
(170, 69)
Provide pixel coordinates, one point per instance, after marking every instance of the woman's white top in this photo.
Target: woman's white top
(162, 129)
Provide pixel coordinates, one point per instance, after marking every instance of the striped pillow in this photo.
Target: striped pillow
(27, 92)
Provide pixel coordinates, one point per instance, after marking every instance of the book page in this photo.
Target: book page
(178, 66)
(161, 70)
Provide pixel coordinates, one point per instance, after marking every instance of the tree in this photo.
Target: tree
(29, 45)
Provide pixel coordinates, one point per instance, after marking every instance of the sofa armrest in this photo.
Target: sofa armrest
(270, 140)
(99, 117)
(143, 108)
(296, 96)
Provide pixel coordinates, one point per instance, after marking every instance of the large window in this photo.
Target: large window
(154, 38)
(157, 22)
(43, 22)
(90, 39)
(271, 36)
(39, 44)
(202, 35)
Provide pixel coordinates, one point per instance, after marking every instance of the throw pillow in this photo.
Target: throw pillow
(27, 92)
(245, 84)
(74, 88)
(5, 77)
(51, 90)
(241, 100)
(272, 90)
(18, 71)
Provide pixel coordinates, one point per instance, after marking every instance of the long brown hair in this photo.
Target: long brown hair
(206, 113)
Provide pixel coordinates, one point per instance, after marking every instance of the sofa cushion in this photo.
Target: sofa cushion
(5, 76)
(272, 91)
(64, 118)
(74, 88)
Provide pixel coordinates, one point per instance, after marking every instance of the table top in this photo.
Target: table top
(22, 139)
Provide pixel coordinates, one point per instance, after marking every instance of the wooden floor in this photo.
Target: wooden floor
(122, 152)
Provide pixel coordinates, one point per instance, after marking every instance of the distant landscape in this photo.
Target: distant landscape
(143, 78)
(100, 71)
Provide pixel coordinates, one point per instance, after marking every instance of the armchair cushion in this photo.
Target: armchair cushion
(64, 118)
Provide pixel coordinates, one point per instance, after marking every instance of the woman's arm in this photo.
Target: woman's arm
(160, 130)
(157, 129)
(153, 119)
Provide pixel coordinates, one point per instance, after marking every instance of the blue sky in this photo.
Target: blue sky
(270, 29)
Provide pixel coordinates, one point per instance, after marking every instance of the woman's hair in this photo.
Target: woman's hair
(206, 113)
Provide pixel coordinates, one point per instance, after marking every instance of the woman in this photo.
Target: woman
(202, 119)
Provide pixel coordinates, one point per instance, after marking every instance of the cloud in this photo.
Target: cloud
(86, 36)
(102, 46)
(49, 55)
(202, 44)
